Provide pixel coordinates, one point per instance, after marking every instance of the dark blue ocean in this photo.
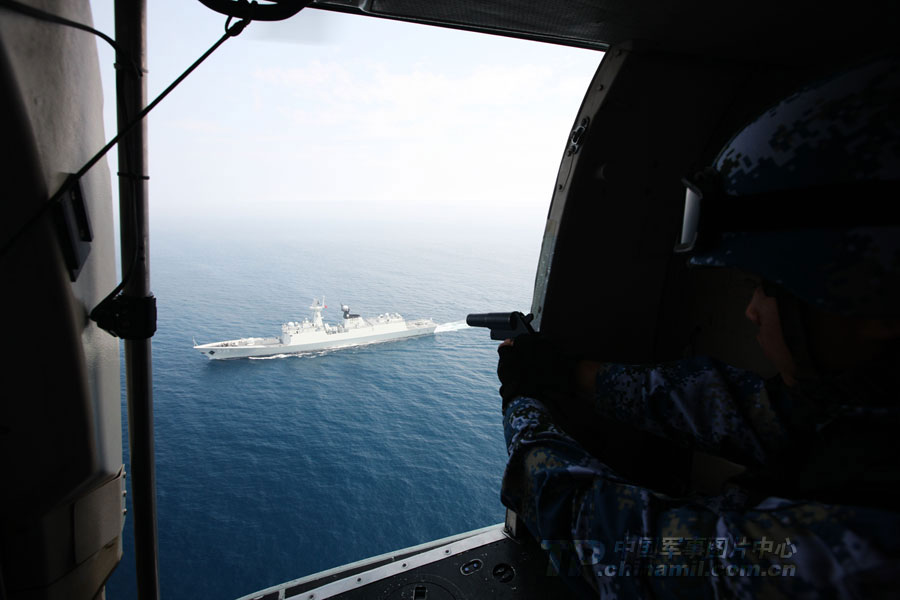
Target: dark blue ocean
(269, 470)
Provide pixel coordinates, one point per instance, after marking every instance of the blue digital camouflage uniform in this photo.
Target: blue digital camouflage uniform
(632, 542)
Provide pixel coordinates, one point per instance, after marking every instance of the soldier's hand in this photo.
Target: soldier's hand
(535, 367)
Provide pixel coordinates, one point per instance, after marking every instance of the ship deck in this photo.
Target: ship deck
(243, 343)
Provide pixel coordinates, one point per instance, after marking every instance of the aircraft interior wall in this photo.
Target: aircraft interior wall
(654, 117)
(60, 418)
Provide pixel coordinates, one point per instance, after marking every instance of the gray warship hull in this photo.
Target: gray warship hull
(273, 346)
(314, 334)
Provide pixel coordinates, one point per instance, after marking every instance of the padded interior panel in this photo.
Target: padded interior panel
(795, 33)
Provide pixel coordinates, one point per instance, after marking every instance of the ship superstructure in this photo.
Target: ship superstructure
(313, 333)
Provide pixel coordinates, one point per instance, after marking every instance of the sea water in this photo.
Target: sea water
(272, 469)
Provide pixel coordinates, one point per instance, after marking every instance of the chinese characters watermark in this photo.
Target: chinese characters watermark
(673, 557)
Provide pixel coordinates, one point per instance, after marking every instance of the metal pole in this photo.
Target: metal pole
(131, 90)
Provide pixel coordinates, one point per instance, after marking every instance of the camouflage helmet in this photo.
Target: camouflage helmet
(806, 195)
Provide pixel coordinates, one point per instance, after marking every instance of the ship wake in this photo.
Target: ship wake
(451, 326)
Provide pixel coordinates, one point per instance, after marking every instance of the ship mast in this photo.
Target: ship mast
(317, 312)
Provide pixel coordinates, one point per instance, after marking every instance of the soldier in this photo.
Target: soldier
(800, 197)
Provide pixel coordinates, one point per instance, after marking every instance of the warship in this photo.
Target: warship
(675, 81)
(314, 334)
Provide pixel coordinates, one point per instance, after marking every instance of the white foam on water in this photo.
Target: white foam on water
(269, 357)
(451, 326)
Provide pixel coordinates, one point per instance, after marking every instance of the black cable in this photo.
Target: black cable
(274, 10)
(232, 31)
(131, 267)
(45, 16)
(235, 30)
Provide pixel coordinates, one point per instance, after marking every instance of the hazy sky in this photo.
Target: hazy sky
(332, 120)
